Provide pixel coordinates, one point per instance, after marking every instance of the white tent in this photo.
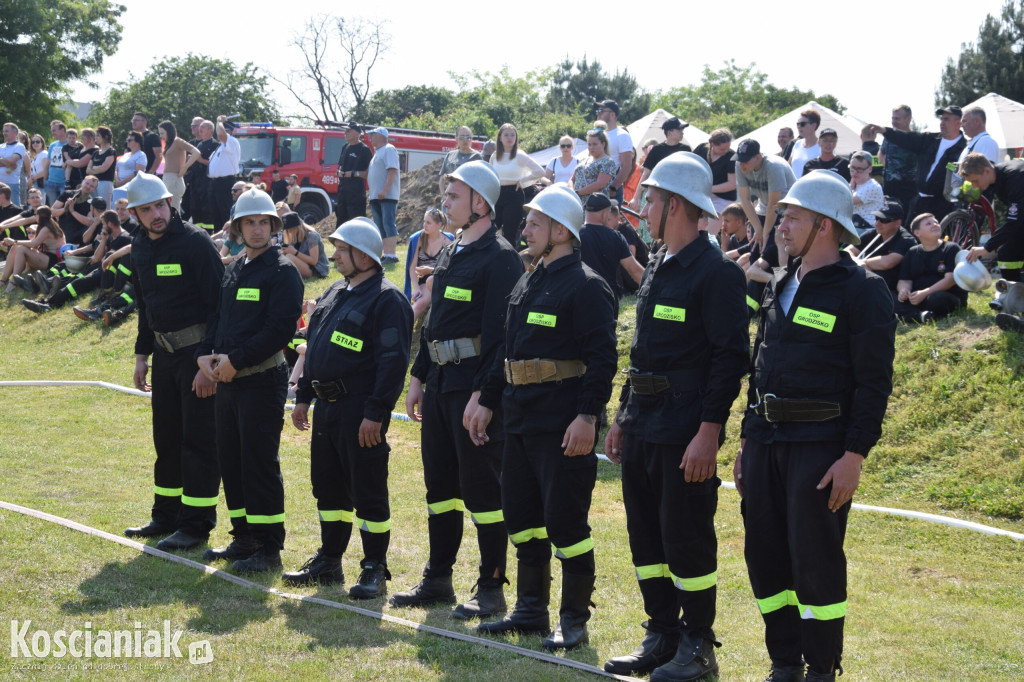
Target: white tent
(544, 156)
(847, 128)
(649, 127)
(1004, 121)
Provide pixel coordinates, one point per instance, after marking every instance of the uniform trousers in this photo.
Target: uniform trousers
(185, 474)
(459, 476)
(546, 499)
(250, 416)
(1010, 256)
(672, 539)
(350, 205)
(794, 550)
(941, 303)
(350, 483)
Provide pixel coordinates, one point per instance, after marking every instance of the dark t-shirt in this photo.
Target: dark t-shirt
(737, 244)
(838, 165)
(925, 268)
(149, 140)
(279, 190)
(130, 226)
(73, 153)
(643, 256)
(354, 157)
(99, 158)
(660, 151)
(602, 248)
(73, 230)
(720, 169)
(900, 243)
(14, 211)
(871, 147)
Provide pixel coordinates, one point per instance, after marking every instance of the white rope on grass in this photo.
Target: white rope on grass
(907, 513)
(231, 578)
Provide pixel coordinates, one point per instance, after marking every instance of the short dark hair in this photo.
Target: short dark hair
(812, 116)
(5, 190)
(734, 209)
(110, 217)
(141, 115)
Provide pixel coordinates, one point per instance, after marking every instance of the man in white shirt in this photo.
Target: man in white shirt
(223, 170)
(11, 154)
(973, 124)
(807, 147)
(385, 187)
(620, 145)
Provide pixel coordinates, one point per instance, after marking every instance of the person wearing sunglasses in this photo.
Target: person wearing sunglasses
(463, 153)
(561, 168)
(807, 147)
(38, 158)
(828, 160)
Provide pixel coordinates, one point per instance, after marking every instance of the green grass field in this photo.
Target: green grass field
(927, 602)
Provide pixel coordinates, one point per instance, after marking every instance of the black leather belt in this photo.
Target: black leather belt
(654, 383)
(778, 410)
(329, 390)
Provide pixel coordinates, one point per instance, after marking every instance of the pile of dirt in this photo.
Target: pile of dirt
(419, 192)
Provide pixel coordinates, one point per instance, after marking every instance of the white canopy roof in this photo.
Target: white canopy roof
(1004, 121)
(847, 128)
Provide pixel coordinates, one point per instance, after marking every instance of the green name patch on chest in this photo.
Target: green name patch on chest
(248, 295)
(814, 319)
(457, 294)
(667, 312)
(543, 319)
(346, 341)
(168, 269)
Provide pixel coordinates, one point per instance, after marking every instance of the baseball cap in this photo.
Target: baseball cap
(674, 124)
(290, 220)
(829, 131)
(747, 150)
(608, 104)
(892, 210)
(950, 109)
(380, 130)
(597, 202)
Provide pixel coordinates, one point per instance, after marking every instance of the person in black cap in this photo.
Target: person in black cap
(935, 151)
(352, 168)
(769, 177)
(620, 145)
(828, 160)
(673, 129)
(882, 248)
(603, 249)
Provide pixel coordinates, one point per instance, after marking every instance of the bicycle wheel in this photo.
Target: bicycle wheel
(959, 227)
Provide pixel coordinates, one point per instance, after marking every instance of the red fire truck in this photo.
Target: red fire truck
(313, 153)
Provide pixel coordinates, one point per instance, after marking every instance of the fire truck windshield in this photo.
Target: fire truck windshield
(257, 150)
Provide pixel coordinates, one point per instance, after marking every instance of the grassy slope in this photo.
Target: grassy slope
(927, 602)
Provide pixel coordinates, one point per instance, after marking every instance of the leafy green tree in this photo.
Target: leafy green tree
(576, 86)
(179, 88)
(738, 98)
(46, 45)
(994, 64)
(391, 107)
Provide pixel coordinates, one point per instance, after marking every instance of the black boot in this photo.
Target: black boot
(42, 306)
(112, 317)
(262, 560)
(656, 649)
(820, 677)
(785, 673)
(488, 600)
(149, 530)
(530, 614)
(372, 581)
(431, 590)
(320, 568)
(1009, 323)
(88, 314)
(694, 659)
(241, 547)
(573, 613)
(180, 540)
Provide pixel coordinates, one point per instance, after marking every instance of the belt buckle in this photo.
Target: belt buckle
(764, 401)
(437, 354)
(162, 341)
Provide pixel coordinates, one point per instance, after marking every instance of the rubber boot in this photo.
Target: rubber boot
(656, 649)
(573, 613)
(530, 614)
(487, 601)
(694, 659)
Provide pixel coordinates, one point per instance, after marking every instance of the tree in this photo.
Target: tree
(46, 45)
(994, 64)
(326, 92)
(179, 88)
(575, 88)
(738, 98)
(391, 107)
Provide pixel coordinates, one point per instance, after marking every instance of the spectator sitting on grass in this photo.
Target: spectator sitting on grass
(926, 289)
(303, 246)
(39, 253)
(16, 226)
(734, 239)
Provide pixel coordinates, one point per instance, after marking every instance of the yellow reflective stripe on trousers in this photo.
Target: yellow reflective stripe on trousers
(753, 304)
(1010, 264)
(71, 290)
(652, 571)
(443, 506)
(265, 518)
(168, 492)
(373, 526)
(777, 601)
(236, 513)
(481, 518)
(528, 534)
(336, 515)
(581, 547)
(826, 612)
(199, 501)
(123, 269)
(702, 582)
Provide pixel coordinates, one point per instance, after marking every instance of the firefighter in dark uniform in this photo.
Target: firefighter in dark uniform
(1006, 180)
(457, 380)
(561, 357)
(353, 164)
(260, 300)
(176, 273)
(690, 350)
(356, 357)
(821, 378)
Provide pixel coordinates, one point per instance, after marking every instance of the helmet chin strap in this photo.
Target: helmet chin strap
(810, 238)
(473, 216)
(542, 255)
